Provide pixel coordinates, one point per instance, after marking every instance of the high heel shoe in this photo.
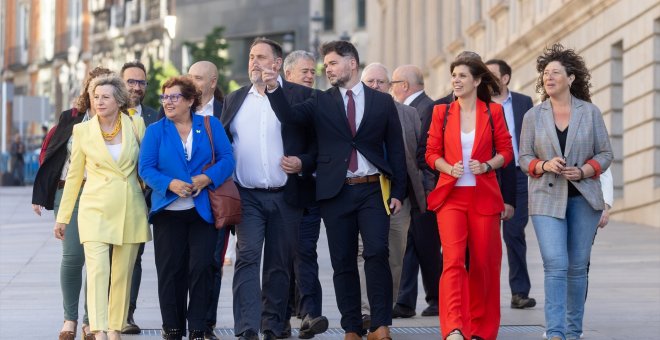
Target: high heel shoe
(69, 335)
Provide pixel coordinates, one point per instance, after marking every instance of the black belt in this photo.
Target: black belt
(271, 189)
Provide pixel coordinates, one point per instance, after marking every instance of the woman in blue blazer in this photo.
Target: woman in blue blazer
(172, 159)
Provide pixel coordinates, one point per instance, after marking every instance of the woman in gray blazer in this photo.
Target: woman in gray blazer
(564, 147)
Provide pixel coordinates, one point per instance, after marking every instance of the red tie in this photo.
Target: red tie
(353, 164)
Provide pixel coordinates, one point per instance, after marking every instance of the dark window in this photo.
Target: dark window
(328, 15)
(361, 13)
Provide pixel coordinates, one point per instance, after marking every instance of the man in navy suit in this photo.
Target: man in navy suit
(515, 106)
(134, 75)
(274, 162)
(359, 139)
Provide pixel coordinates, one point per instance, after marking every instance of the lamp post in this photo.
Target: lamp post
(287, 43)
(317, 20)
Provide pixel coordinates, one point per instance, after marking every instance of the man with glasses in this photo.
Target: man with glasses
(134, 75)
(422, 247)
(375, 75)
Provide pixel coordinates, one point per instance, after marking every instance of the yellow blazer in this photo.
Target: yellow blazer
(112, 207)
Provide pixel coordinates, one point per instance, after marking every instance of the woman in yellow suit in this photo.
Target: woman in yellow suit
(112, 214)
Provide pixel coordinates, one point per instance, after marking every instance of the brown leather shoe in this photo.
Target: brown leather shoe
(352, 336)
(85, 334)
(381, 333)
(69, 335)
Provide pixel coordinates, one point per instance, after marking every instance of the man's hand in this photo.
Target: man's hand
(291, 164)
(508, 212)
(269, 77)
(395, 206)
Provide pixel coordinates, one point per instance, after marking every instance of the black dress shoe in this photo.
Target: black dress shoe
(287, 331)
(172, 334)
(312, 326)
(250, 334)
(196, 335)
(269, 335)
(401, 311)
(431, 310)
(519, 301)
(366, 323)
(210, 335)
(131, 327)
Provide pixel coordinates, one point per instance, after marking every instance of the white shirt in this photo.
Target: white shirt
(184, 203)
(365, 167)
(467, 142)
(507, 105)
(115, 150)
(412, 97)
(258, 147)
(207, 110)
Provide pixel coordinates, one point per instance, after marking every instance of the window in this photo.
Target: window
(361, 14)
(328, 15)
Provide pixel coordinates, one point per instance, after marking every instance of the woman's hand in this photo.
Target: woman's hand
(477, 167)
(199, 182)
(457, 169)
(572, 173)
(605, 217)
(59, 230)
(37, 209)
(555, 165)
(181, 188)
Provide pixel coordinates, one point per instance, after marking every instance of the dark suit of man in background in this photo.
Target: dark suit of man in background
(356, 127)
(272, 159)
(515, 106)
(422, 246)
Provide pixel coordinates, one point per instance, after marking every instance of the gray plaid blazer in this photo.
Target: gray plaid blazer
(587, 139)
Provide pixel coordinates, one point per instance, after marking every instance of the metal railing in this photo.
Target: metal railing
(30, 168)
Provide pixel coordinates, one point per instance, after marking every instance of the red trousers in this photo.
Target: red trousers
(469, 302)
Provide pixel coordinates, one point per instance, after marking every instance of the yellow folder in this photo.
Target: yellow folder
(385, 187)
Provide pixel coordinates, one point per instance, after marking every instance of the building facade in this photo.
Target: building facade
(619, 40)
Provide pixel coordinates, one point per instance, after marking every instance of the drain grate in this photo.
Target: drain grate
(504, 329)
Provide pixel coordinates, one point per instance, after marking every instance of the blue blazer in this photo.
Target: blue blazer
(162, 159)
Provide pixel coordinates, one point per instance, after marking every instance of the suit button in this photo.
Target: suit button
(97, 165)
(353, 144)
(107, 179)
(345, 159)
(550, 185)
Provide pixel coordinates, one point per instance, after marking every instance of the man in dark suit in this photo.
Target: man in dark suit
(422, 245)
(134, 75)
(272, 161)
(356, 128)
(515, 106)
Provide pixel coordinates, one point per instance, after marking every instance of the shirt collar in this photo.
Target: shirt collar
(508, 98)
(413, 97)
(357, 89)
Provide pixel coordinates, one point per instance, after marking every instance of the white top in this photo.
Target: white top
(207, 109)
(607, 186)
(115, 150)
(365, 167)
(468, 179)
(184, 203)
(258, 147)
(412, 97)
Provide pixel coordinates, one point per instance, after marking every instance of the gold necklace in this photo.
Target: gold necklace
(112, 134)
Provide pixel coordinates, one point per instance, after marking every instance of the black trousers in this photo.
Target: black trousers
(359, 209)
(422, 252)
(183, 247)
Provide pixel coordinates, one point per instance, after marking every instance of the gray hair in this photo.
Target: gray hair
(376, 65)
(294, 56)
(120, 92)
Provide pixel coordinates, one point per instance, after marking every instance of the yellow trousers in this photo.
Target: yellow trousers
(108, 313)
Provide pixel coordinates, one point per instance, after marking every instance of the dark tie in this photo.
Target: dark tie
(353, 164)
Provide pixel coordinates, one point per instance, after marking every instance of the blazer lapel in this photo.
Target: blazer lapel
(234, 105)
(99, 143)
(481, 125)
(574, 123)
(368, 102)
(339, 101)
(453, 141)
(549, 124)
(171, 134)
(198, 131)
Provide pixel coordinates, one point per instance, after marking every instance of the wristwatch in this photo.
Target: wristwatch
(488, 167)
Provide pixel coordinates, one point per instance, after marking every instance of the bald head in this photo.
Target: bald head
(406, 80)
(375, 75)
(205, 76)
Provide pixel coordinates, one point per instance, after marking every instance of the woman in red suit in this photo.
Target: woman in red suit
(467, 141)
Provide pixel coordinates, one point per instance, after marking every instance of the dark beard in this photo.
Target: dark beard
(341, 81)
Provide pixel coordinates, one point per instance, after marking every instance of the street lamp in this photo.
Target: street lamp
(317, 20)
(287, 43)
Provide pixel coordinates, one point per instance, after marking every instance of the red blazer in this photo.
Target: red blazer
(487, 189)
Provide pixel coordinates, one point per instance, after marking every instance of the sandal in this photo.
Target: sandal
(69, 335)
(87, 335)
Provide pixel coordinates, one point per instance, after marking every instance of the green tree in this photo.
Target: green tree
(213, 49)
(157, 74)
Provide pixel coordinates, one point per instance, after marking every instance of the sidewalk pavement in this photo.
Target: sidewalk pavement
(623, 301)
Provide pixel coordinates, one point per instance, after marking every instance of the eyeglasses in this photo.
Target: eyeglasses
(371, 82)
(135, 82)
(174, 98)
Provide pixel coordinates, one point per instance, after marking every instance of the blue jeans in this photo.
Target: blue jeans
(565, 248)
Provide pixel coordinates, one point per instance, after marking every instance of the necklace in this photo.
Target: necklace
(112, 134)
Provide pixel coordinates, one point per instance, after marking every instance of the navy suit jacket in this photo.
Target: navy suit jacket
(162, 159)
(424, 105)
(149, 115)
(299, 190)
(380, 130)
(520, 104)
